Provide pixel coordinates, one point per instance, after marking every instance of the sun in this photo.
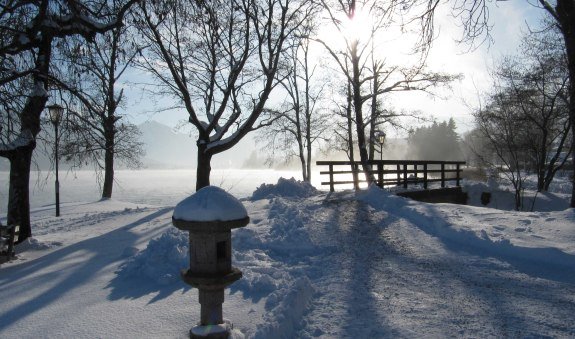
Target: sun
(359, 27)
(340, 31)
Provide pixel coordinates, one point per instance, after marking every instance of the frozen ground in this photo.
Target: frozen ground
(315, 264)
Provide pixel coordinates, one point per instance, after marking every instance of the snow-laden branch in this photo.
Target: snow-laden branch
(24, 139)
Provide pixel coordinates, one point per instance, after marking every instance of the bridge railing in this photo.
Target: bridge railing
(393, 172)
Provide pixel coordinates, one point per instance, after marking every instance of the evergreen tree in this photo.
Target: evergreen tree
(438, 141)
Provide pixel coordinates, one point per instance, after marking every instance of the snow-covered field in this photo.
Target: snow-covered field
(316, 264)
(156, 187)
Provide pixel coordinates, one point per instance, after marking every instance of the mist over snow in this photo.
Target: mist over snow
(169, 149)
(166, 148)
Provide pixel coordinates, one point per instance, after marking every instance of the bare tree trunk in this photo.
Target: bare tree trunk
(299, 137)
(374, 113)
(570, 42)
(565, 14)
(517, 199)
(552, 167)
(110, 119)
(19, 192)
(541, 162)
(204, 168)
(108, 185)
(350, 133)
(357, 103)
(308, 119)
(308, 164)
(301, 156)
(20, 162)
(371, 141)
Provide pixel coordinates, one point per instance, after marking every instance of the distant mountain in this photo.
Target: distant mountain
(166, 148)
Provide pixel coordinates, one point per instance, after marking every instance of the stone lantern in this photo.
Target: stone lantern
(209, 215)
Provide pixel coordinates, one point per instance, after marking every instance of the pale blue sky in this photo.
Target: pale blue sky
(509, 19)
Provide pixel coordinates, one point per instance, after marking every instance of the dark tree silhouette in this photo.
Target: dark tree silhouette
(94, 132)
(28, 31)
(219, 61)
(357, 51)
(474, 16)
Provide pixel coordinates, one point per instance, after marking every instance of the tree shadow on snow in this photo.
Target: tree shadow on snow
(154, 270)
(100, 252)
(483, 283)
(136, 287)
(547, 263)
(438, 293)
(362, 250)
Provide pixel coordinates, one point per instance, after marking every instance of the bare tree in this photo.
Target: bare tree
(94, 132)
(356, 53)
(381, 117)
(526, 121)
(301, 122)
(474, 16)
(28, 31)
(475, 148)
(343, 133)
(219, 60)
(497, 122)
(539, 80)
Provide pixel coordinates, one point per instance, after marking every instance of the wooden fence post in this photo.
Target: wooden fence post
(331, 189)
(425, 176)
(442, 175)
(355, 173)
(458, 177)
(398, 167)
(405, 175)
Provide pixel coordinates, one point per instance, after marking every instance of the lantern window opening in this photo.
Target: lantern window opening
(221, 250)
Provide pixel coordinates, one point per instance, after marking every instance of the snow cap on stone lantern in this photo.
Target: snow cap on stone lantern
(210, 204)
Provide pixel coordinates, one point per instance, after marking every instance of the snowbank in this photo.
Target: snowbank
(285, 310)
(285, 188)
(286, 293)
(503, 198)
(161, 261)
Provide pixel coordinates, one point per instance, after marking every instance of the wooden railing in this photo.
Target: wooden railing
(394, 172)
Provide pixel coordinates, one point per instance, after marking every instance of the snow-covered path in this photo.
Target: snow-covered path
(378, 274)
